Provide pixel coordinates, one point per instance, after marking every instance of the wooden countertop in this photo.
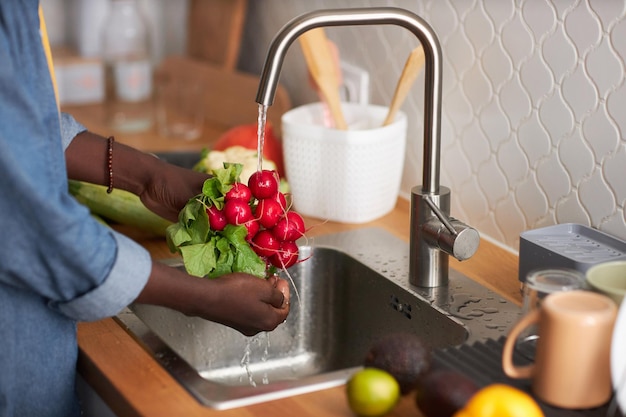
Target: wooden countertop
(132, 383)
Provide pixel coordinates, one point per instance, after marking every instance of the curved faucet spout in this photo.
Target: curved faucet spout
(434, 236)
(371, 16)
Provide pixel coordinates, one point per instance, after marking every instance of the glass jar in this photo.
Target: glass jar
(128, 68)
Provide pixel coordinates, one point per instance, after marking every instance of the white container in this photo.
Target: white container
(349, 176)
(88, 19)
(79, 80)
(128, 74)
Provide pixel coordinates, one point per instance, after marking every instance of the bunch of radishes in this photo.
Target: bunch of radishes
(263, 210)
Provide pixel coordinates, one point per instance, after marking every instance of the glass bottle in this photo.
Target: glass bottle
(128, 68)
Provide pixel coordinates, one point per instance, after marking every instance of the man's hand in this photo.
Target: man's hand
(162, 187)
(167, 193)
(241, 301)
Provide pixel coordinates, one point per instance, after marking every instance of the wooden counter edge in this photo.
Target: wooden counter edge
(133, 384)
(125, 375)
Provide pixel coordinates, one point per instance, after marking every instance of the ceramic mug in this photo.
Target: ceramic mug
(572, 361)
(609, 278)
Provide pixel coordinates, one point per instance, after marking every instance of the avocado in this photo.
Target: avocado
(442, 392)
(404, 355)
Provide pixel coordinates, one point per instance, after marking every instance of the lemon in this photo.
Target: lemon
(500, 400)
(372, 392)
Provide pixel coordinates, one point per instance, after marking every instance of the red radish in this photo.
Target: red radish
(263, 184)
(286, 256)
(268, 212)
(217, 219)
(280, 198)
(290, 227)
(253, 228)
(237, 212)
(265, 244)
(239, 191)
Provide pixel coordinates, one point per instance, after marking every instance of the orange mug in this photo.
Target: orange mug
(572, 361)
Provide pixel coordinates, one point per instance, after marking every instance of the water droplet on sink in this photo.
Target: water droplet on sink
(495, 326)
(461, 307)
(460, 301)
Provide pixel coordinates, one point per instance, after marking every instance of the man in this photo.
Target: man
(57, 264)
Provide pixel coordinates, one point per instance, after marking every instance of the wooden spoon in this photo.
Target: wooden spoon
(323, 69)
(412, 68)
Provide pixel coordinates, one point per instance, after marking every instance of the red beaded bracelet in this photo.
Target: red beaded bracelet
(110, 140)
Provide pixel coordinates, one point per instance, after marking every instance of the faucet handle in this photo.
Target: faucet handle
(461, 242)
(449, 234)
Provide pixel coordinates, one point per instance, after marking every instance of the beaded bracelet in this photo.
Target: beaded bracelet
(110, 141)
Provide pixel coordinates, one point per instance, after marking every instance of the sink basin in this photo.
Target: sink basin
(353, 289)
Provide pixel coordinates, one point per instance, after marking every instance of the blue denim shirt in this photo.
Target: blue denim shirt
(57, 264)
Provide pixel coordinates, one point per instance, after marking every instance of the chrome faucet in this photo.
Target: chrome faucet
(434, 234)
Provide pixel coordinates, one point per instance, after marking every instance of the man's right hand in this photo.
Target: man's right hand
(244, 302)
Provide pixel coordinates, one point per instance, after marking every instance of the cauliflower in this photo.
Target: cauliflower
(235, 154)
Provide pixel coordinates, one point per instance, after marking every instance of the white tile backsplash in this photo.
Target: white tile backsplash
(534, 92)
(533, 110)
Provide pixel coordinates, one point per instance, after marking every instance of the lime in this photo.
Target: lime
(372, 392)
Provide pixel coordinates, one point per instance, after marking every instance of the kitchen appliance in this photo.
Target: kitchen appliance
(567, 245)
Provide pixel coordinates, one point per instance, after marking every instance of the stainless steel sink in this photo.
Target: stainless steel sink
(353, 289)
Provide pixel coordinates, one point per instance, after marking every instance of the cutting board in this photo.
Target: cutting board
(214, 31)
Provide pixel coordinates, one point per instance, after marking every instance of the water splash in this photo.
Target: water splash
(261, 339)
(245, 360)
(266, 352)
(260, 133)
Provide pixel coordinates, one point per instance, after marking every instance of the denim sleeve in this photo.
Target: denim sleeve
(54, 248)
(126, 279)
(69, 129)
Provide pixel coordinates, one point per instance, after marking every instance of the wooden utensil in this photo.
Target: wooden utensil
(412, 68)
(323, 69)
